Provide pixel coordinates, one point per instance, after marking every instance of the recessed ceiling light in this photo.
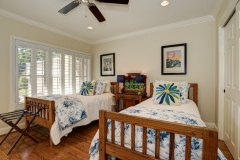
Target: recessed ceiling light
(90, 27)
(164, 3)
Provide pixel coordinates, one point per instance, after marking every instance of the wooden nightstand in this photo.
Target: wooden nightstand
(129, 99)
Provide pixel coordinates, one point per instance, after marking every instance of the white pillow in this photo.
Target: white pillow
(184, 86)
(108, 86)
(184, 92)
(99, 88)
(167, 93)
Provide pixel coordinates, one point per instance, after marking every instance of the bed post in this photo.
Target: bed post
(210, 144)
(102, 135)
(51, 119)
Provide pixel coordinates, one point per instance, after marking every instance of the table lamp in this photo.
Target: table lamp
(139, 79)
(121, 79)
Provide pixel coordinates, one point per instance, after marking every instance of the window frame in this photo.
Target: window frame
(16, 41)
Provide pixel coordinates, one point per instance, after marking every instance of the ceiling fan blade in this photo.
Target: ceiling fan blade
(114, 1)
(93, 8)
(69, 7)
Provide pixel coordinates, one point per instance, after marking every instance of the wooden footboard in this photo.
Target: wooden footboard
(209, 136)
(47, 115)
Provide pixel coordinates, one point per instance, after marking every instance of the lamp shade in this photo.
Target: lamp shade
(120, 78)
(139, 78)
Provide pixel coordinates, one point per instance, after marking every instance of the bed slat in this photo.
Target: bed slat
(209, 136)
(171, 147)
(102, 135)
(157, 144)
(133, 137)
(113, 132)
(144, 141)
(188, 148)
(122, 134)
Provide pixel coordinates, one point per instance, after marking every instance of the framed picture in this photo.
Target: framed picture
(174, 59)
(107, 62)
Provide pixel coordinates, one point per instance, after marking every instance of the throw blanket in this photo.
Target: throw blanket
(160, 114)
(68, 110)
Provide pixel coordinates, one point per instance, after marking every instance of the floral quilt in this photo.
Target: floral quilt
(68, 110)
(160, 114)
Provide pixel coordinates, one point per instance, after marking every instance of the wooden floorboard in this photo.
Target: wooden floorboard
(73, 147)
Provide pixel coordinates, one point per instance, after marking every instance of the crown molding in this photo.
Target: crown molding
(132, 34)
(40, 25)
(230, 8)
(159, 28)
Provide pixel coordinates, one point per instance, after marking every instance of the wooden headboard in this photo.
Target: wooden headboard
(114, 87)
(192, 92)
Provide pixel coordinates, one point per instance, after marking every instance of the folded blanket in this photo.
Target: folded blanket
(69, 110)
(160, 114)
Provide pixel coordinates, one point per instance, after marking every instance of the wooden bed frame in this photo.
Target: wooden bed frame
(47, 115)
(209, 136)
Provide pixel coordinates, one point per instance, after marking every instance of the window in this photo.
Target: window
(40, 70)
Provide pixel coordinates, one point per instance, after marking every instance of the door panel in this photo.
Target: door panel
(232, 94)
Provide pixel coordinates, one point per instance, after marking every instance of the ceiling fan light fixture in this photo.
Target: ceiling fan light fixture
(90, 27)
(164, 3)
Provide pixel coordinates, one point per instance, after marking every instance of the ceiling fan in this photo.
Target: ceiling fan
(92, 7)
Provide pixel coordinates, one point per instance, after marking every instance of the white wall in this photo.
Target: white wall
(10, 27)
(143, 54)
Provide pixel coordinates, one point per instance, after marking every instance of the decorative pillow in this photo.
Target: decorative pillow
(184, 92)
(167, 93)
(100, 87)
(87, 88)
(108, 86)
(184, 86)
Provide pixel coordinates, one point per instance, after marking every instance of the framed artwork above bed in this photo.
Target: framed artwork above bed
(174, 59)
(107, 62)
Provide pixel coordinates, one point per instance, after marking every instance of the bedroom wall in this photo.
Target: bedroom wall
(10, 27)
(143, 54)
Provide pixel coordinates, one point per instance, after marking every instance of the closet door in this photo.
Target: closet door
(232, 87)
(237, 90)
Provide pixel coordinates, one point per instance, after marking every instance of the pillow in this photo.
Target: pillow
(87, 88)
(184, 86)
(100, 87)
(184, 92)
(167, 93)
(108, 86)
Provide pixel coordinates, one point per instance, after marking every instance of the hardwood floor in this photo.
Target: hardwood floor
(73, 147)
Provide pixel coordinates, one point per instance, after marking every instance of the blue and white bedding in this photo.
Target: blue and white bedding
(68, 110)
(91, 106)
(160, 114)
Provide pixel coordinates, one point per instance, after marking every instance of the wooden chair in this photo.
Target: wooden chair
(33, 109)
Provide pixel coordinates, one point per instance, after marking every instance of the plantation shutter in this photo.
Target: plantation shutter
(68, 76)
(78, 73)
(56, 72)
(42, 71)
(39, 70)
(24, 55)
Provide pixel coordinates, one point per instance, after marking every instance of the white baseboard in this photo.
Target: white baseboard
(6, 129)
(211, 125)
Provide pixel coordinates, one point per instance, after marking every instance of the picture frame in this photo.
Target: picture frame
(174, 59)
(107, 62)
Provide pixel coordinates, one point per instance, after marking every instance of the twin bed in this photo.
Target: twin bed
(144, 131)
(148, 131)
(91, 106)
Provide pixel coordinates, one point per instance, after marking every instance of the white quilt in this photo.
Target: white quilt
(92, 105)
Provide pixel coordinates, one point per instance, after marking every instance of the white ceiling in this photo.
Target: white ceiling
(137, 16)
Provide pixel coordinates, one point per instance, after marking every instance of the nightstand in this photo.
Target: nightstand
(129, 99)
